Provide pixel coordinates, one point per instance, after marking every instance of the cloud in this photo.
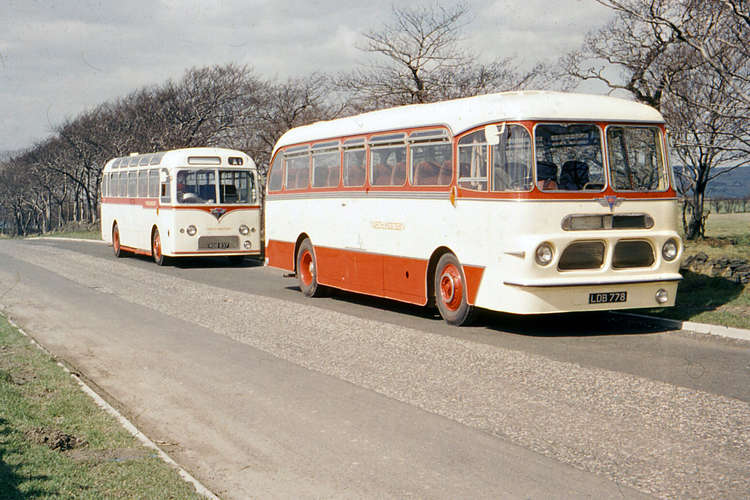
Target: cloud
(59, 58)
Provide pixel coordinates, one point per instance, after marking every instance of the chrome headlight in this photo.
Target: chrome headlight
(670, 250)
(244, 230)
(247, 244)
(544, 254)
(662, 296)
(192, 230)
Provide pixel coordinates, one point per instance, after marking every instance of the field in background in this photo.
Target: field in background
(704, 298)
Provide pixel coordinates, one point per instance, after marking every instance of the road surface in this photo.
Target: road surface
(262, 393)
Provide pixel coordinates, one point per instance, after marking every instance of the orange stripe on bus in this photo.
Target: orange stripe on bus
(280, 254)
(387, 276)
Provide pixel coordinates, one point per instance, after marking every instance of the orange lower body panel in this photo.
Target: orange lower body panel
(388, 276)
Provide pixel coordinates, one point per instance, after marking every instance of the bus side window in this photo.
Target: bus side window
(511, 160)
(354, 167)
(274, 179)
(298, 170)
(153, 183)
(472, 161)
(431, 164)
(142, 183)
(389, 166)
(326, 166)
(123, 189)
(164, 193)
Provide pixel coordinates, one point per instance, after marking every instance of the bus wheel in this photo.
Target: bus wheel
(116, 242)
(307, 271)
(159, 257)
(450, 291)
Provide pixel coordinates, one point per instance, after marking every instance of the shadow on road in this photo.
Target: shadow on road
(589, 324)
(202, 262)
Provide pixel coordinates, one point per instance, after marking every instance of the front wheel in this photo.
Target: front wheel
(307, 271)
(450, 291)
(156, 251)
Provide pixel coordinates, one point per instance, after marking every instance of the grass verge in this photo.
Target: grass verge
(714, 299)
(84, 235)
(706, 299)
(55, 442)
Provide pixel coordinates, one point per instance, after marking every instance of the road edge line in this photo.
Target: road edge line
(127, 424)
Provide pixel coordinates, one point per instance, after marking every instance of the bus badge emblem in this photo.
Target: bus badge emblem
(611, 201)
(218, 212)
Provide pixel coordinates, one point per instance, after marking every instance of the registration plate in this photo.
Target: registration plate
(218, 242)
(607, 297)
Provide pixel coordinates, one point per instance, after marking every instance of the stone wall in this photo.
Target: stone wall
(737, 270)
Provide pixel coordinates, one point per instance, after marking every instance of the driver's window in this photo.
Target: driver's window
(511, 160)
(196, 186)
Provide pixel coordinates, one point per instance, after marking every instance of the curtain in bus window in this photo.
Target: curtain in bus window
(298, 172)
(472, 161)
(511, 160)
(236, 187)
(132, 184)
(431, 164)
(196, 186)
(326, 168)
(569, 157)
(635, 159)
(388, 166)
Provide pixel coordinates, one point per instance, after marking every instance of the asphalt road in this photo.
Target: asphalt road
(260, 392)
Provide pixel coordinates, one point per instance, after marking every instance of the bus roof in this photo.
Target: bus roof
(180, 156)
(460, 115)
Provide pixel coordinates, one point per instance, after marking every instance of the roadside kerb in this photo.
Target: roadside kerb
(689, 326)
(127, 424)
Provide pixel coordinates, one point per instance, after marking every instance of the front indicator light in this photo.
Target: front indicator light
(662, 296)
(244, 230)
(544, 254)
(192, 230)
(247, 244)
(670, 250)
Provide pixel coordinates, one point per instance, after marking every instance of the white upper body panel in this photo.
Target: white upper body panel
(179, 157)
(460, 115)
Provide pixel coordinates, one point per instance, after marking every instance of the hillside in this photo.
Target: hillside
(734, 184)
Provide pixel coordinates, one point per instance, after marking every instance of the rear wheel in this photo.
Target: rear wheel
(307, 271)
(450, 291)
(156, 250)
(116, 242)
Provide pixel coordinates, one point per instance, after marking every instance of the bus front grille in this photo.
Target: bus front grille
(582, 255)
(632, 253)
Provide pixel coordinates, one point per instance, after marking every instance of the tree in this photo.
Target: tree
(282, 106)
(421, 60)
(666, 54)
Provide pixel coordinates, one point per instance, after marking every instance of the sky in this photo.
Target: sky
(59, 58)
